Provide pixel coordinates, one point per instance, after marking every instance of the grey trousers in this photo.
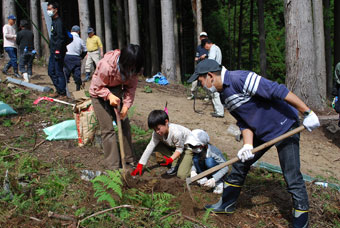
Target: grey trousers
(105, 115)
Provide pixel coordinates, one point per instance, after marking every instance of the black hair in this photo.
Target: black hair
(24, 23)
(205, 41)
(131, 60)
(157, 117)
(55, 5)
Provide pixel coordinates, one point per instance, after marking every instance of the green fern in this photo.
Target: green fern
(103, 184)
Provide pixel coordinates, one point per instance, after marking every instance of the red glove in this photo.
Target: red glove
(137, 170)
(167, 161)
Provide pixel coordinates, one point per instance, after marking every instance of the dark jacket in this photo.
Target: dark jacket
(58, 36)
(25, 38)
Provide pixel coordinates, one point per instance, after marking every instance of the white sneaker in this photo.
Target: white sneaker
(219, 188)
(190, 97)
(26, 78)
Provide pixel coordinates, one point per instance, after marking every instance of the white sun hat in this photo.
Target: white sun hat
(198, 137)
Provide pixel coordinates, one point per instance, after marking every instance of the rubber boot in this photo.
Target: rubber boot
(78, 87)
(227, 202)
(26, 77)
(16, 74)
(4, 71)
(300, 218)
(87, 77)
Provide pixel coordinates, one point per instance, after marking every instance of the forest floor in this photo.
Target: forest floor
(48, 177)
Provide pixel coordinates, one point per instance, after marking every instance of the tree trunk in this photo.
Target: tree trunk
(328, 50)
(34, 17)
(229, 37)
(120, 24)
(44, 45)
(178, 65)
(8, 8)
(199, 24)
(84, 18)
(300, 52)
(319, 40)
(251, 35)
(234, 35)
(262, 39)
(153, 38)
(239, 49)
(126, 19)
(107, 25)
(168, 60)
(336, 32)
(194, 14)
(133, 19)
(99, 23)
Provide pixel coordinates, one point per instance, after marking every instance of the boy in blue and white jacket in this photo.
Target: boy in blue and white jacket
(264, 110)
(206, 156)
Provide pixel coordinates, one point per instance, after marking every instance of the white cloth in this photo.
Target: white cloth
(9, 36)
(176, 138)
(92, 57)
(215, 53)
(77, 46)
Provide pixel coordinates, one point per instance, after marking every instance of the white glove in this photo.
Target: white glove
(245, 153)
(202, 181)
(311, 121)
(210, 183)
(193, 173)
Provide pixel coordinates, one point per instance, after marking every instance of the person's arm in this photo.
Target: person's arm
(296, 102)
(101, 52)
(217, 155)
(100, 44)
(7, 33)
(18, 39)
(149, 149)
(60, 41)
(212, 53)
(99, 82)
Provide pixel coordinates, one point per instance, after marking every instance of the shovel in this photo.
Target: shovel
(236, 159)
(120, 139)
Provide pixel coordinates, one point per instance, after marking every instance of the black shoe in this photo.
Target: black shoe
(172, 171)
(4, 71)
(227, 202)
(214, 114)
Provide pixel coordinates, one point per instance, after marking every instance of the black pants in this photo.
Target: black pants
(72, 65)
(26, 62)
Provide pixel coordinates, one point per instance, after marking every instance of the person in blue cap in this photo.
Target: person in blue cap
(76, 51)
(10, 47)
(264, 110)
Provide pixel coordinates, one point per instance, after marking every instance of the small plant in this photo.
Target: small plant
(103, 184)
(27, 123)
(7, 123)
(147, 89)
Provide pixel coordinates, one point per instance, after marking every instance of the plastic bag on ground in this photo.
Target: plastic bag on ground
(5, 109)
(64, 130)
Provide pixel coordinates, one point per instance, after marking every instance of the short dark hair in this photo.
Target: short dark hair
(157, 117)
(24, 23)
(131, 59)
(55, 5)
(205, 41)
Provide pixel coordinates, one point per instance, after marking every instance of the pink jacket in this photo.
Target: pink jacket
(107, 75)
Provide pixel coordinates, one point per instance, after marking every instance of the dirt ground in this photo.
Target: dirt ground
(320, 156)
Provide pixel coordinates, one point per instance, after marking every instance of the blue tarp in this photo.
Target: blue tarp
(5, 109)
(158, 78)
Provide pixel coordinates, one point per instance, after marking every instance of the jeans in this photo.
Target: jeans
(56, 73)
(289, 157)
(12, 53)
(72, 64)
(25, 62)
(202, 165)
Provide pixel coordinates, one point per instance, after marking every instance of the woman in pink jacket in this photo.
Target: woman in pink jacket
(114, 83)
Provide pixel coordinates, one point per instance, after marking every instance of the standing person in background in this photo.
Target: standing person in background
(10, 45)
(114, 84)
(214, 54)
(201, 53)
(25, 41)
(76, 50)
(57, 51)
(94, 45)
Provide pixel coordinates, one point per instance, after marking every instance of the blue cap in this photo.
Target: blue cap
(11, 17)
(75, 28)
(89, 30)
(204, 67)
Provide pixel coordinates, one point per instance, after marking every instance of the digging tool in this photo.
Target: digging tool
(120, 138)
(236, 159)
(52, 100)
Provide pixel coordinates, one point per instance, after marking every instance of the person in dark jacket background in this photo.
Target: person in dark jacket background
(57, 51)
(25, 42)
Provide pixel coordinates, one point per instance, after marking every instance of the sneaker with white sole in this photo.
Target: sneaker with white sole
(190, 97)
(26, 78)
(219, 188)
